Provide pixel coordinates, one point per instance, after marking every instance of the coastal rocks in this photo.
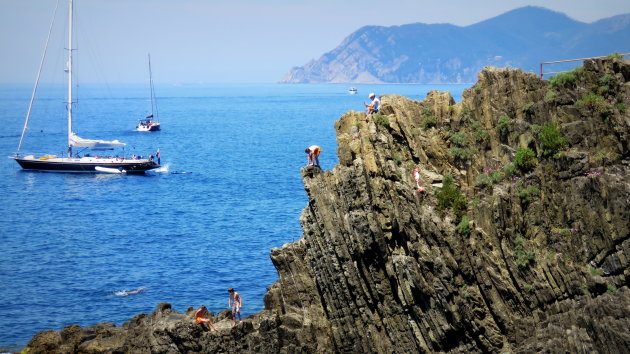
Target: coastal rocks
(495, 256)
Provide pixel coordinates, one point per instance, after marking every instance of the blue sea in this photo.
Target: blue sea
(71, 243)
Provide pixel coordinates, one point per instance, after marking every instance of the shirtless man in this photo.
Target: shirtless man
(201, 316)
(235, 302)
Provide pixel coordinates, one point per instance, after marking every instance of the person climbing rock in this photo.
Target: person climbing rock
(416, 176)
(313, 152)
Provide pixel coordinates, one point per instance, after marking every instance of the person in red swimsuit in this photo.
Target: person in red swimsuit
(201, 316)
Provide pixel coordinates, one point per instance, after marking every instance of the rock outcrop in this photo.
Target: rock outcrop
(519, 243)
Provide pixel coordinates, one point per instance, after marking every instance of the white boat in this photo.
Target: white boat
(353, 91)
(74, 162)
(150, 123)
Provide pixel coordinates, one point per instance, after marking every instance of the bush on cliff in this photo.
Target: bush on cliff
(522, 258)
(450, 197)
(551, 140)
(381, 119)
(568, 78)
(464, 226)
(525, 160)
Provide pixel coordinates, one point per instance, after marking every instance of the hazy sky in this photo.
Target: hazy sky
(206, 41)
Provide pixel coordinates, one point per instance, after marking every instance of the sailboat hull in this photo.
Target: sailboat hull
(151, 127)
(85, 164)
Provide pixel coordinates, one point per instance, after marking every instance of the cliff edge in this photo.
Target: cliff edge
(520, 241)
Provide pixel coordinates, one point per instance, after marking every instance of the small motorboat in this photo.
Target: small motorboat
(353, 91)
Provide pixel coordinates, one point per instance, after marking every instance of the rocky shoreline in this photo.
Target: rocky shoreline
(521, 242)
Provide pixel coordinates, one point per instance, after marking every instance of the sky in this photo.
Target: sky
(226, 41)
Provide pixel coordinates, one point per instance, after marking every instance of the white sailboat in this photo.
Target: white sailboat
(74, 162)
(150, 123)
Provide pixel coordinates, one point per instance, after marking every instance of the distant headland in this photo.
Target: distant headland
(445, 53)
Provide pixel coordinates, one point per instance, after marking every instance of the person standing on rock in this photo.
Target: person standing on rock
(313, 152)
(201, 316)
(416, 176)
(235, 302)
(373, 106)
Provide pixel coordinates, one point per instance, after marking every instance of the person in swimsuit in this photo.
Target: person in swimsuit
(313, 152)
(129, 292)
(416, 176)
(235, 302)
(201, 316)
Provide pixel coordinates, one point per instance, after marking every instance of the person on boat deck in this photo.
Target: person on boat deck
(373, 106)
(235, 302)
(202, 317)
(313, 152)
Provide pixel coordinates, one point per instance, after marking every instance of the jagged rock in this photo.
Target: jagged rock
(524, 261)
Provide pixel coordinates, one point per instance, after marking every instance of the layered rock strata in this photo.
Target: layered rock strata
(520, 242)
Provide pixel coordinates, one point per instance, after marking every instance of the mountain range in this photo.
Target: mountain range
(446, 53)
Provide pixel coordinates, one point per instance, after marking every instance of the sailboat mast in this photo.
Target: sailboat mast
(69, 103)
(153, 104)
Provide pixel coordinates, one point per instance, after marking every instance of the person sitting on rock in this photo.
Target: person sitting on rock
(202, 317)
(313, 155)
(373, 106)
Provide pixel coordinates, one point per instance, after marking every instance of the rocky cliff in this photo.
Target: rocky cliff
(520, 241)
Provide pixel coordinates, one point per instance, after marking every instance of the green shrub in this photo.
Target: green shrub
(527, 108)
(459, 138)
(465, 114)
(603, 90)
(622, 107)
(480, 135)
(614, 55)
(461, 153)
(464, 226)
(397, 158)
(528, 193)
(496, 176)
(566, 78)
(428, 122)
(428, 118)
(597, 103)
(381, 119)
(450, 197)
(607, 80)
(503, 125)
(483, 180)
(525, 160)
(591, 100)
(595, 271)
(465, 292)
(551, 139)
(523, 258)
(510, 170)
(550, 95)
(611, 289)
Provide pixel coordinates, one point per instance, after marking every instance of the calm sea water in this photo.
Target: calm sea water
(70, 242)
